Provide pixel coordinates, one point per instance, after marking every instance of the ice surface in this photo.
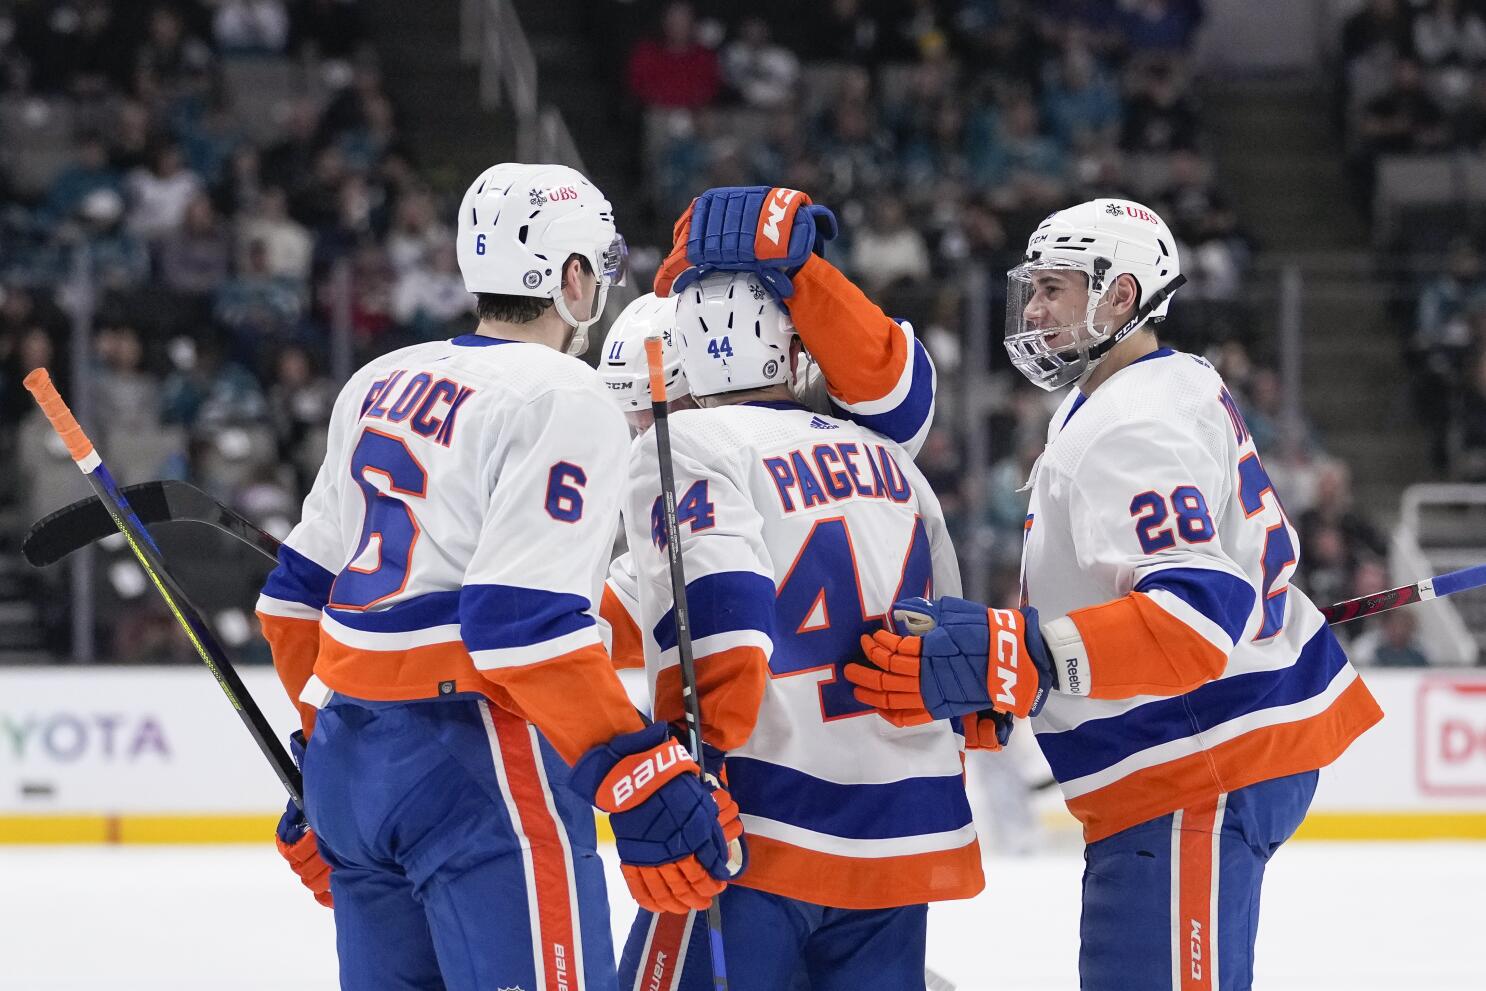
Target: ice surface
(1361, 917)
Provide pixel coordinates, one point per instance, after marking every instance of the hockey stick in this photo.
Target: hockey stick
(73, 527)
(39, 384)
(692, 702)
(1421, 591)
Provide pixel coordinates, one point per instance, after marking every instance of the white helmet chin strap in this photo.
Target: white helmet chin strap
(578, 343)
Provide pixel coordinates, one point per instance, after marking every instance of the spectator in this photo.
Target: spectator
(1027, 166)
(430, 297)
(195, 258)
(128, 406)
(1383, 25)
(257, 306)
(1160, 26)
(299, 402)
(253, 27)
(1468, 427)
(207, 390)
(1159, 115)
(415, 232)
(169, 54)
(329, 29)
(119, 260)
(133, 138)
(889, 250)
(88, 173)
(674, 70)
(288, 248)
(842, 31)
(1080, 103)
(764, 74)
(1446, 33)
(1392, 643)
(159, 195)
(1333, 507)
(1405, 118)
(1443, 323)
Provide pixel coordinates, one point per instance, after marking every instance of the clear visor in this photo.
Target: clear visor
(615, 261)
(1050, 322)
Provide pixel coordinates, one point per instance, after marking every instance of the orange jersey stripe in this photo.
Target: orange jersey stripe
(782, 868)
(574, 699)
(627, 649)
(1137, 648)
(860, 349)
(1259, 755)
(294, 645)
(731, 686)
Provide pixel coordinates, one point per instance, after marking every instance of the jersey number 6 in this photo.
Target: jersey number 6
(389, 521)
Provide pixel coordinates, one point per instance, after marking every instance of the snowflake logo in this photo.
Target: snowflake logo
(757, 291)
(538, 198)
(1114, 209)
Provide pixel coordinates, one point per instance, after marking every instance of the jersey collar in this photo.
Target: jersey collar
(1083, 397)
(478, 341)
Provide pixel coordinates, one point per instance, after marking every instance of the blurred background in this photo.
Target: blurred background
(211, 211)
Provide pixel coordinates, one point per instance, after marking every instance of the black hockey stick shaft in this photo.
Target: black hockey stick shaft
(692, 703)
(40, 385)
(81, 523)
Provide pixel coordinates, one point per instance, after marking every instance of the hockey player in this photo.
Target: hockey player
(858, 364)
(799, 530)
(434, 615)
(1191, 693)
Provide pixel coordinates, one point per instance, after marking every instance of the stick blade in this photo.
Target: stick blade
(75, 526)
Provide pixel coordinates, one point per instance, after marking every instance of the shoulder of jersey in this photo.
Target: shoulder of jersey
(1178, 390)
(524, 371)
(728, 433)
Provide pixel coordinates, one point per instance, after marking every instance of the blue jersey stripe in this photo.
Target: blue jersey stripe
(298, 579)
(1223, 598)
(856, 811)
(418, 613)
(1100, 743)
(495, 616)
(722, 603)
(903, 422)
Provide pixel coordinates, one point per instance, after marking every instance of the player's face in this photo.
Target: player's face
(1058, 304)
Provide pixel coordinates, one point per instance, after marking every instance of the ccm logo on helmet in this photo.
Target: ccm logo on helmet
(656, 763)
(779, 202)
(1007, 651)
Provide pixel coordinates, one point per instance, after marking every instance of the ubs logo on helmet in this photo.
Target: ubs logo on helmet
(1114, 210)
(538, 198)
(532, 278)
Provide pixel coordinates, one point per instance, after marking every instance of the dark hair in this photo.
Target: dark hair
(519, 309)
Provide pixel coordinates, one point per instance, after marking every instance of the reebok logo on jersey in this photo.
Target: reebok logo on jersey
(1008, 651)
(777, 207)
(636, 778)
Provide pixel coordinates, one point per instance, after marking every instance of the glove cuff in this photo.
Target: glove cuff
(1069, 656)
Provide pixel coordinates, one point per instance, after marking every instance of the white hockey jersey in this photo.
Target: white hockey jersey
(457, 536)
(1208, 671)
(799, 532)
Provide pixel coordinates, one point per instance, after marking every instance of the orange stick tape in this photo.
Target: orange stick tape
(655, 358)
(39, 384)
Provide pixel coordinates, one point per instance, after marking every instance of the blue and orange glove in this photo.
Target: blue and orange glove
(767, 230)
(296, 840)
(672, 830)
(967, 658)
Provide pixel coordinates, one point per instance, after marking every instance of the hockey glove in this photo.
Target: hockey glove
(949, 669)
(672, 830)
(296, 840)
(987, 730)
(769, 231)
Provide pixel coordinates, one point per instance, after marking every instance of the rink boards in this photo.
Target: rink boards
(156, 755)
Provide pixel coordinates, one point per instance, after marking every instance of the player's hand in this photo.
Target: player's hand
(987, 729)
(296, 840)
(672, 831)
(767, 230)
(958, 658)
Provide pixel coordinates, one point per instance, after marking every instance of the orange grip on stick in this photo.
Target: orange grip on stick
(655, 358)
(39, 384)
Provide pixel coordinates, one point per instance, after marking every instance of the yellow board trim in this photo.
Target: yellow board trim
(159, 829)
(178, 829)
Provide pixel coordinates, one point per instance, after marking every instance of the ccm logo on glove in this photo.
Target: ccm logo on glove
(1008, 649)
(636, 777)
(778, 206)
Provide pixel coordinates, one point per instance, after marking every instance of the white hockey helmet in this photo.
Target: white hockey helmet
(622, 365)
(733, 334)
(518, 224)
(1103, 239)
